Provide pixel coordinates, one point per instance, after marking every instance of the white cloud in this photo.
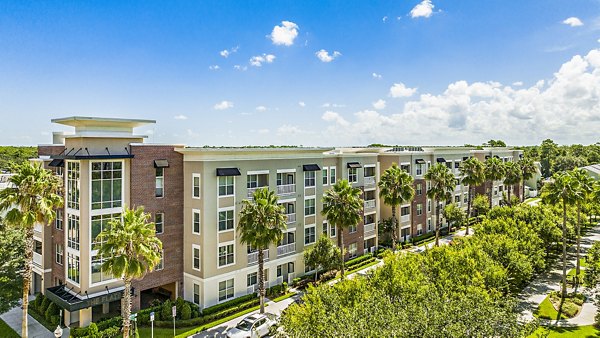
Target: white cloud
(214, 67)
(263, 131)
(573, 21)
(302, 104)
(517, 83)
(423, 9)
(384, 19)
(261, 108)
(324, 55)
(180, 117)
(332, 105)
(400, 90)
(223, 105)
(289, 130)
(258, 60)
(331, 116)
(226, 52)
(284, 34)
(376, 76)
(240, 68)
(379, 104)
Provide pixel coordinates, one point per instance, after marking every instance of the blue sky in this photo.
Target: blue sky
(331, 72)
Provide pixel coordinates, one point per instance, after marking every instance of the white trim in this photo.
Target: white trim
(308, 226)
(283, 171)
(219, 210)
(219, 245)
(287, 200)
(369, 166)
(194, 175)
(257, 172)
(224, 196)
(196, 246)
(405, 163)
(326, 169)
(370, 213)
(304, 206)
(194, 211)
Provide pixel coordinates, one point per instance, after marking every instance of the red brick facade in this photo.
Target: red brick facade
(419, 199)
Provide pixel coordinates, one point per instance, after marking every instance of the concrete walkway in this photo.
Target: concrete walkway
(536, 291)
(34, 328)
(445, 240)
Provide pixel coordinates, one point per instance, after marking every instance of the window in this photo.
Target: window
(59, 219)
(226, 220)
(59, 254)
(252, 181)
(161, 263)
(159, 222)
(291, 267)
(419, 209)
(457, 199)
(428, 205)
(325, 176)
(419, 189)
(428, 224)
(466, 198)
(419, 229)
(99, 224)
(160, 182)
(405, 167)
(73, 232)
(352, 228)
(456, 164)
(404, 211)
(225, 290)
(352, 175)
(196, 221)
(369, 171)
(332, 178)
(309, 235)
(73, 267)
(37, 247)
(352, 248)
(251, 279)
(226, 185)
(107, 182)
(196, 185)
(196, 294)
(196, 257)
(97, 274)
(309, 207)
(332, 230)
(73, 185)
(309, 179)
(369, 219)
(419, 169)
(449, 165)
(279, 272)
(226, 255)
(325, 228)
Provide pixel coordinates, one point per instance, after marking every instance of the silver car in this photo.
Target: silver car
(253, 326)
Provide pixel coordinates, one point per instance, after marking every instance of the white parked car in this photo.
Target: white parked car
(253, 326)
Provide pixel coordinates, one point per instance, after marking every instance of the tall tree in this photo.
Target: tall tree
(548, 150)
(494, 171)
(12, 263)
(396, 188)
(131, 249)
(561, 191)
(342, 207)
(324, 255)
(528, 169)
(472, 173)
(441, 186)
(584, 186)
(455, 215)
(32, 198)
(512, 177)
(262, 223)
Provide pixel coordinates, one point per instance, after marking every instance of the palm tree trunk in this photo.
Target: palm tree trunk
(395, 227)
(564, 251)
(577, 269)
(126, 307)
(509, 202)
(27, 280)
(341, 243)
(437, 224)
(261, 279)
(469, 209)
(490, 192)
(523, 191)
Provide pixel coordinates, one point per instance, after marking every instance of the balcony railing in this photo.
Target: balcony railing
(37, 259)
(253, 257)
(252, 190)
(404, 218)
(286, 189)
(369, 229)
(37, 227)
(291, 218)
(286, 249)
(370, 180)
(370, 204)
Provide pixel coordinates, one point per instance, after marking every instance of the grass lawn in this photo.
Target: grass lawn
(6, 331)
(161, 332)
(588, 331)
(282, 297)
(570, 307)
(213, 324)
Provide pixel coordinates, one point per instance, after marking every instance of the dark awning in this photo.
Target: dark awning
(496, 156)
(228, 172)
(161, 164)
(57, 163)
(441, 160)
(71, 302)
(487, 156)
(311, 167)
(354, 165)
(465, 158)
(420, 161)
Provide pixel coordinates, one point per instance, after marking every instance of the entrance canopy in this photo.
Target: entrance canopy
(70, 301)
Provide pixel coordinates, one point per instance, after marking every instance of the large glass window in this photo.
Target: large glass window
(226, 255)
(309, 207)
(98, 275)
(73, 267)
(226, 220)
(225, 289)
(73, 185)
(309, 179)
(309, 235)
(159, 182)
(107, 182)
(73, 232)
(225, 185)
(352, 175)
(159, 222)
(251, 279)
(99, 224)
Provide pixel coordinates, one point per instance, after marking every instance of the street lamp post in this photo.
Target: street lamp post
(152, 323)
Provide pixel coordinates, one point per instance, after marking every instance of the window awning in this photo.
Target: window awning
(228, 172)
(57, 163)
(496, 156)
(311, 167)
(487, 156)
(354, 165)
(161, 164)
(441, 160)
(69, 301)
(419, 161)
(465, 158)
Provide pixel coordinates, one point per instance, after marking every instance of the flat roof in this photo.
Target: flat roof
(86, 121)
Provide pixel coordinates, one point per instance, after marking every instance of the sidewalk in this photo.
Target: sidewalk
(445, 240)
(34, 328)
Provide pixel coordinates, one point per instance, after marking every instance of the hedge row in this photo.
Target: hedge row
(211, 317)
(228, 304)
(359, 259)
(46, 309)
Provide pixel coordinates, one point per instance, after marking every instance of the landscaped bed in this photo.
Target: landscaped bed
(588, 331)
(554, 308)
(6, 331)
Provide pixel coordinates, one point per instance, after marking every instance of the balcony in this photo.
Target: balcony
(404, 218)
(370, 181)
(253, 257)
(37, 259)
(37, 227)
(369, 230)
(291, 218)
(286, 189)
(286, 249)
(370, 204)
(252, 190)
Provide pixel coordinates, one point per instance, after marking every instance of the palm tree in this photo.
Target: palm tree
(472, 174)
(342, 207)
(494, 171)
(396, 188)
(441, 186)
(561, 190)
(131, 249)
(31, 199)
(584, 187)
(528, 169)
(262, 223)
(512, 177)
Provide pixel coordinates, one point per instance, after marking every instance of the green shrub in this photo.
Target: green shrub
(179, 302)
(51, 311)
(296, 280)
(37, 303)
(358, 259)
(165, 311)
(210, 317)
(55, 320)
(228, 304)
(92, 330)
(111, 332)
(45, 304)
(186, 311)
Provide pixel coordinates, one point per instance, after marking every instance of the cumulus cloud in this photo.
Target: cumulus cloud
(384, 19)
(573, 21)
(214, 67)
(226, 52)
(423, 9)
(565, 108)
(324, 55)
(284, 34)
(289, 130)
(257, 61)
(517, 83)
(400, 90)
(302, 104)
(180, 117)
(379, 104)
(376, 76)
(240, 68)
(332, 105)
(261, 108)
(223, 105)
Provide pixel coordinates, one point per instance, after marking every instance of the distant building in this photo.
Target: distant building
(593, 170)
